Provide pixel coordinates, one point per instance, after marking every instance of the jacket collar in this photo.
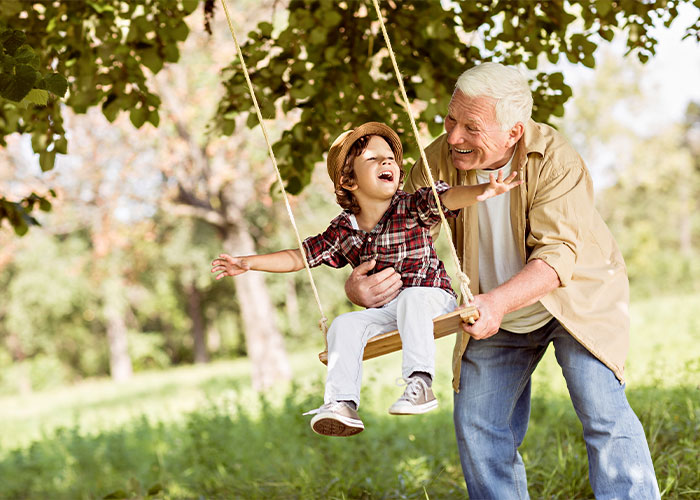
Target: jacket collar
(532, 142)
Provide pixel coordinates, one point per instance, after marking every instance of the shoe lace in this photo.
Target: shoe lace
(332, 406)
(414, 387)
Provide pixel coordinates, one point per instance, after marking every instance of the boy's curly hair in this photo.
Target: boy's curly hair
(343, 196)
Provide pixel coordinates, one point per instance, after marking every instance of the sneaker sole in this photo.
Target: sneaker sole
(334, 425)
(414, 409)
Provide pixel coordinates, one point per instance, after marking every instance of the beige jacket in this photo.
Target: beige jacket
(554, 219)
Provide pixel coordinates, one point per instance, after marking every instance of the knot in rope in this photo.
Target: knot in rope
(323, 325)
(464, 286)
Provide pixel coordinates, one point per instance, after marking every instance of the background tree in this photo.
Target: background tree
(101, 50)
(649, 181)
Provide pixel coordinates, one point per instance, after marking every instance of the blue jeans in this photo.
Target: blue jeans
(492, 409)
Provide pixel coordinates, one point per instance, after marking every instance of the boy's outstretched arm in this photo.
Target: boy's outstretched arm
(284, 261)
(463, 196)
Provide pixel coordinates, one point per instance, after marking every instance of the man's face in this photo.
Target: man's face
(474, 134)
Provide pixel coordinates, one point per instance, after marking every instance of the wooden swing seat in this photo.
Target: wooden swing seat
(391, 341)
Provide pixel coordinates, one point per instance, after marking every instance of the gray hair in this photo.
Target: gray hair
(504, 84)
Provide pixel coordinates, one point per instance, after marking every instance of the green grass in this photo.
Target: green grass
(201, 432)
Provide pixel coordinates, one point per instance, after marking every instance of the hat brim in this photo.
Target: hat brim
(369, 128)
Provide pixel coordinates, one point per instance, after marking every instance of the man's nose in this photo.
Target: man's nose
(454, 136)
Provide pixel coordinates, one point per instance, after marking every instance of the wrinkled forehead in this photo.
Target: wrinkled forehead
(481, 107)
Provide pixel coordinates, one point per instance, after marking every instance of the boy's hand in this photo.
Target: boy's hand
(226, 265)
(498, 185)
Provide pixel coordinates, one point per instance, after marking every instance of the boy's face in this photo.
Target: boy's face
(376, 172)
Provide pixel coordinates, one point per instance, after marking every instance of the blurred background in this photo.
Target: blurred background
(108, 310)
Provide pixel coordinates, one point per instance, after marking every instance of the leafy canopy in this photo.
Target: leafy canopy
(327, 66)
(330, 62)
(80, 54)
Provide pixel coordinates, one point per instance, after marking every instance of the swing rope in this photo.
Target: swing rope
(461, 275)
(323, 323)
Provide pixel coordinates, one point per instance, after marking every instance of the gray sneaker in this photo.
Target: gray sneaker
(336, 419)
(417, 398)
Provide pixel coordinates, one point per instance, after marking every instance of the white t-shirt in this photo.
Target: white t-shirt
(499, 259)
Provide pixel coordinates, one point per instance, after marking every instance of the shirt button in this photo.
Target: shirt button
(369, 239)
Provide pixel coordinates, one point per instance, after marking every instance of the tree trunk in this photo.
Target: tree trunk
(685, 236)
(24, 381)
(264, 342)
(291, 306)
(120, 367)
(199, 334)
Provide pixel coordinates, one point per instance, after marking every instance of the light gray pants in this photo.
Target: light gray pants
(412, 312)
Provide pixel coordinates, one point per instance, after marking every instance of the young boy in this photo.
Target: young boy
(379, 222)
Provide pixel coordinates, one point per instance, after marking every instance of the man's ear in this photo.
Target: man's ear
(515, 133)
(350, 185)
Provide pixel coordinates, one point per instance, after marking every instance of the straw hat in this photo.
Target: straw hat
(340, 147)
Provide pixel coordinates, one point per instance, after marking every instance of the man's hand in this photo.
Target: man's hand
(490, 318)
(375, 290)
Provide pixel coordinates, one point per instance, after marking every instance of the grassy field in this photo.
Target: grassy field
(200, 432)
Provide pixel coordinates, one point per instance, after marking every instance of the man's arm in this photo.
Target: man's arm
(528, 286)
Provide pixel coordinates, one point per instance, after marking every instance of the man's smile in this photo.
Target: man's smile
(462, 151)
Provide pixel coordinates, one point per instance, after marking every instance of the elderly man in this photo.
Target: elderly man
(545, 270)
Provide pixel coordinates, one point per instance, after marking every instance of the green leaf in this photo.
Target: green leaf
(61, 146)
(265, 29)
(101, 7)
(26, 55)
(332, 18)
(294, 185)
(603, 7)
(180, 31)
(47, 160)
(56, 84)
(21, 228)
(589, 61)
(151, 59)
(20, 83)
(228, 127)
(172, 54)
(111, 108)
(138, 116)
(607, 34)
(36, 96)
(12, 40)
(44, 205)
(189, 6)
(154, 117)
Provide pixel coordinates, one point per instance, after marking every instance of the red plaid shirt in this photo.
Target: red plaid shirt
(400, 240)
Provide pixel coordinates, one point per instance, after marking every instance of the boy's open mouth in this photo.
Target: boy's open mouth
(386, 176)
